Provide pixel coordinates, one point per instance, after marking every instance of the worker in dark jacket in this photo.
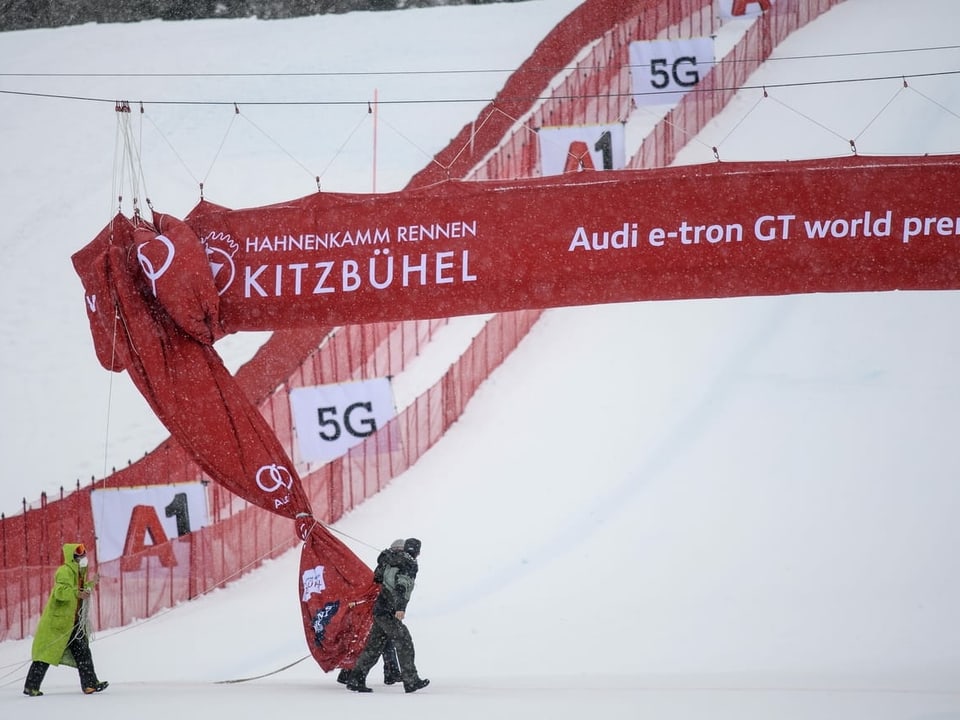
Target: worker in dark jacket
(391, 663)
(396, 572)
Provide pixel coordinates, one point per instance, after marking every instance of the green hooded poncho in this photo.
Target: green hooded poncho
(59, 616)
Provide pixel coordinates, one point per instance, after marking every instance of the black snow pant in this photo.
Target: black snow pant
(388, 628)
(391, 663)
(391, 666)
(80, 649)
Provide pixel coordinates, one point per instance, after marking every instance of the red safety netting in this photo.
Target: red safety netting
(244, 535)
(32, 540)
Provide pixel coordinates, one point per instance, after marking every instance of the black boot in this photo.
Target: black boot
(415, 685)
(391, 675)
(35, 675)
(343, 677)
(98, 686)
(357, 684)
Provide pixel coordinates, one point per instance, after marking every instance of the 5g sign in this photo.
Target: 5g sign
(661, 71)
(682, 72)
(331, 419)
(356, 419)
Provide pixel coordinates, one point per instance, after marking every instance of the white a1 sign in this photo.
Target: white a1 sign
(128, 521)
(661, 71)
(581, 147)
(331, 419)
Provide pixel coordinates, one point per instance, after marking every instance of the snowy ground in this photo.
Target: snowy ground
(740, 509)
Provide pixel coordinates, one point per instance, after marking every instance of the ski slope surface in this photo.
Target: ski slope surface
(735, 509)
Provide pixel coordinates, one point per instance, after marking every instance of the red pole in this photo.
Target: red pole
(123, 594)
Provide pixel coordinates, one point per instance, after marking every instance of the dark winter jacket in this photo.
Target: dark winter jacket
(396, 573)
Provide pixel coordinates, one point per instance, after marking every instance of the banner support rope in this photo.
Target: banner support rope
(223, 141)
(267, 674)
(271, 139)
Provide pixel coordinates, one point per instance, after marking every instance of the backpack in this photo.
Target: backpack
(389, 576)
(395, 582)
(385, 573)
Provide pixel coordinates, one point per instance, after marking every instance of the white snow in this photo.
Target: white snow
(739, 509)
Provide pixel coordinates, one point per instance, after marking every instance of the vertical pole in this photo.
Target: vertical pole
(5, 628)
(222, 579)
(375, 110)
(122, 574)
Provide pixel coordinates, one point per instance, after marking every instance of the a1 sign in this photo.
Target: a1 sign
(130, 521)
(581, 147)
(661, 71)
(331, 419)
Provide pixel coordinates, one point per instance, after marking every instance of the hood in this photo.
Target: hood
(412, 547)
(68, 550)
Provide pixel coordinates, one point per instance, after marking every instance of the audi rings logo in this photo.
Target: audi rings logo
(152, 272)
(271, 478)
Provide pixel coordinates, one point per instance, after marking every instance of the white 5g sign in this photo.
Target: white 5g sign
(331, 419)
(661, 71)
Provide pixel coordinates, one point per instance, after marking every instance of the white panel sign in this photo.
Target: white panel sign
(732, 9)
(586, 147)
(661, 71)
(331, 419)
(145, 516)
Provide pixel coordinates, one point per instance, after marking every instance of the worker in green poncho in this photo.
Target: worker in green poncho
(62, 636)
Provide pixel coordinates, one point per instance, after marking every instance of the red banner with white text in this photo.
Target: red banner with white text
(152, 306)
(152, 284)
(705, 231)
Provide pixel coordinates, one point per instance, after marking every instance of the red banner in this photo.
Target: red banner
(152, 306)
(139, 281)
(458, 248)
(336, 599)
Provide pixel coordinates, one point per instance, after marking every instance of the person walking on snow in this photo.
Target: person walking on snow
(62, 635)
(396, 573)
(391, 663)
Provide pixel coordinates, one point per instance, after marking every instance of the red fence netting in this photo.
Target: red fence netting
(240, 536)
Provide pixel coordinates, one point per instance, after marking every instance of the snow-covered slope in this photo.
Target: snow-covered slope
(738, 509)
